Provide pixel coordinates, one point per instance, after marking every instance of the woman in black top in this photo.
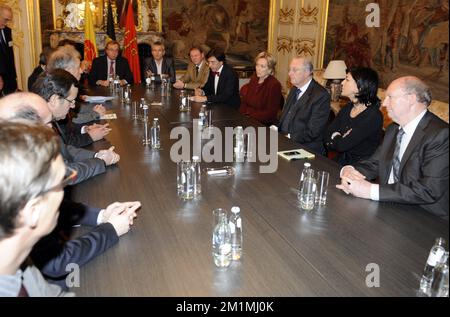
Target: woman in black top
(356, 132)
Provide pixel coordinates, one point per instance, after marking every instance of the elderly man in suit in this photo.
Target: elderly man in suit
(411, 165)
(7, 66)
(158, 66)
(223, 83)
(197, 73)
(110, 65)
(307, 108)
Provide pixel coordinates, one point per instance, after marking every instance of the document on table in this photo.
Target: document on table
(98, 99)
(296, 154)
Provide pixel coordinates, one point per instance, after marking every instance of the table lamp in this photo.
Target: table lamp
(335, 72)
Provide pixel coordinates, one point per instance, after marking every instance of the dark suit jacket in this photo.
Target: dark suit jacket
(423, 170)
(54, 252)
(81, 160)
(309, 118)
(7, 66)
(99, 70)
(168, 67)
(73, 135)
(34, 76)
(227, 88)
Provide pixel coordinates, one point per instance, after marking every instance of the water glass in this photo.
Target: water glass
(322, 186)
(217, 214)
(135, 109)
(180, 180)
(187, 178)
(209, 115)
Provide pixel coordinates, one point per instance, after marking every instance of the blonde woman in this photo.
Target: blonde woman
(261, 98)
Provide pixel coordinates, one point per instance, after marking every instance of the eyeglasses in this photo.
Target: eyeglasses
(72, 175)
(72, 102)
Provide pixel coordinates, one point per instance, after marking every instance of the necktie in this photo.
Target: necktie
(216, 73)
(2, 40)
(396, 158)
(23, 292)
(197, 68)
(111, 70)
(297, 94)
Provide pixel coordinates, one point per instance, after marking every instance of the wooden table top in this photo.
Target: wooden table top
(286, 251)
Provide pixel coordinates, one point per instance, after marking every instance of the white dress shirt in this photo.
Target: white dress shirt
(158, 67)
(409, 130)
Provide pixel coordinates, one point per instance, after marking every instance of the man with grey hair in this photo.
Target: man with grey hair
(307, 108)
(411, 165)
(7, 65)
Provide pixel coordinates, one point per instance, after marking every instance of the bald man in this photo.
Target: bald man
(29, 106)
(412, 162)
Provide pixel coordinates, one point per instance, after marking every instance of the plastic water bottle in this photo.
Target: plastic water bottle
(111, 84)
(308, 191)
(436, 253)
(156, 141)
(236, 233)
(222, 243)
(306, 167)
(239, 152)
(439, 285)
(202, 117)
(117, 84)
(197, 175)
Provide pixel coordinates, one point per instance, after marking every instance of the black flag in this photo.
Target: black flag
(110, 32)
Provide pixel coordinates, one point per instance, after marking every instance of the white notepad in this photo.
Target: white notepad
(296, 154)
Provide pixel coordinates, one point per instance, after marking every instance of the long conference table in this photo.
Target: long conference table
(336, 250)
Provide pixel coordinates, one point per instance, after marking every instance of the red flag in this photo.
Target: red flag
(130, 47)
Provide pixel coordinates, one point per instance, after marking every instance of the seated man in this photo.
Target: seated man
(110, 65)
(28, 204)
(53, 253)
(197, 72)
(68, 58)
(158, 66)
(223, 83)
(411, 164)
(58, 89)
(307, 108)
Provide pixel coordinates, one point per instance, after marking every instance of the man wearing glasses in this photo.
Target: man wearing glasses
(53, 253)
(412, 162)
(58, 88)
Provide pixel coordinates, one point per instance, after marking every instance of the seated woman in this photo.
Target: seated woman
(261, 98)
(355, 133)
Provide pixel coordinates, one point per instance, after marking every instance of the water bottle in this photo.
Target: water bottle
(308, 191)
(117, 84)
(111, 83)
(439, 285)
(306, 167)
(222, 242)
(436, 253)
(239, 152)
(202, 117)
(197, 175)
(236, 233)
(156, 141)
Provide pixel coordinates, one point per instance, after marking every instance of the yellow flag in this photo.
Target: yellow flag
(90, 45)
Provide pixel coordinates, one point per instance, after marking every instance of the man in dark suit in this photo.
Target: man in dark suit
(110, 65)
(7, 66)
(43, 58)
(305, 114)
(223, 83)
(411, 165)
(158, 66)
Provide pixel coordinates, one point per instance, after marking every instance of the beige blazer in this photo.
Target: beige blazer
(191, 79)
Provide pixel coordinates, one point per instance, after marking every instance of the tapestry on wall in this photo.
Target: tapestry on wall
(412, 40)
(240, 27)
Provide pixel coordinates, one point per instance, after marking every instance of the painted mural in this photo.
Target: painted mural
(238, 26)
(412, 39)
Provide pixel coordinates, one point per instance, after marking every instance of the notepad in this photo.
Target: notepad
(98, 99)
(296, 154)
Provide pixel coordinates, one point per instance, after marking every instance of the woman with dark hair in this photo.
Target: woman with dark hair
(356, 132)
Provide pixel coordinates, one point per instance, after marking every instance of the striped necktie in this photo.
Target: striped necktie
(396, 159)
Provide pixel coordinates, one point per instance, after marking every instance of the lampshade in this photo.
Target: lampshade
(335, 70)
